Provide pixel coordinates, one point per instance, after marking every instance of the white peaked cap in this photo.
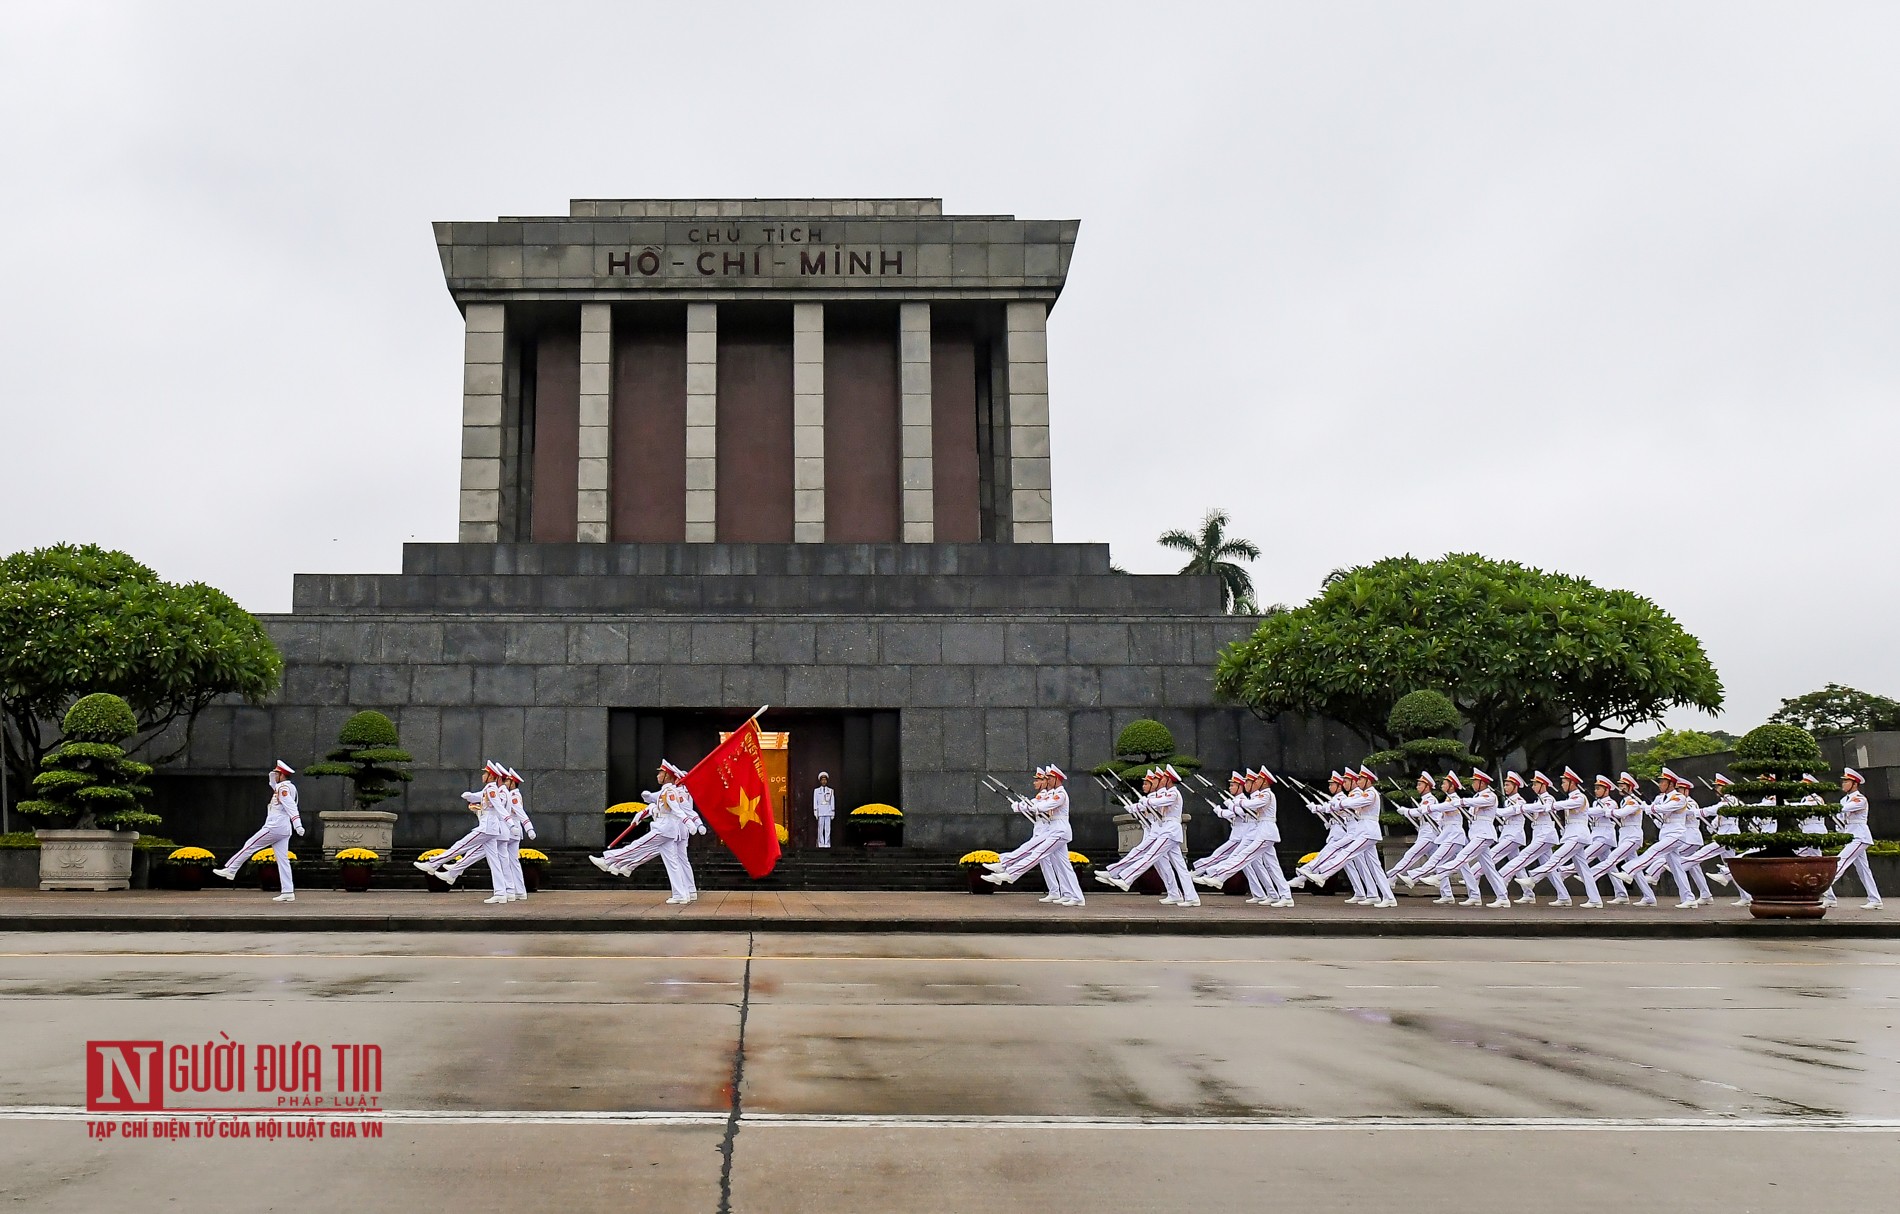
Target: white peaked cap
(1480, 776)
(1571, 774)
(1366, 772)
(490, 767)
(1540, 777)
(1057, 772)
(1722, 781)
(284, 767)
(1455, 781)
(1666, 774)
(515, 776)
(1267, 776)
(824, 775)
(1808, 779)
(1848, 773)
(1605, 781)
(1042, 771)
(1426, 775)
(1511, 777)
(1169, 772)
(1234, 775)
(668, 766)
(1626, 778)
(1331, 776)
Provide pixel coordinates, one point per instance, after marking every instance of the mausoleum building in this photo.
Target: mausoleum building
(722, 453)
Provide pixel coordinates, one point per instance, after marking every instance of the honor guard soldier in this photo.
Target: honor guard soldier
(280, 820)
(824, 807)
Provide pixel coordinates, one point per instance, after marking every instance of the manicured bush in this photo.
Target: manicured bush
(87, 782)
(1771, 759)
(368, 755)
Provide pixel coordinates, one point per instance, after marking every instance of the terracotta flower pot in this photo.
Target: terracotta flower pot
(531, 877)
(355, 877)
(1784, 887)
(267, 878)
(973, 876)
(188, 877)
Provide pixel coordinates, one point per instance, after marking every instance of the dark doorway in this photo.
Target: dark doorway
(858, 749)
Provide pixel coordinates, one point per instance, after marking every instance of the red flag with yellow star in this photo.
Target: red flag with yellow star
(730, 792)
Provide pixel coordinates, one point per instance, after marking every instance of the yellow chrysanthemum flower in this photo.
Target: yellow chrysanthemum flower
(980, 857)
(877, 810)
(532, 855)
(1076, 857)
(269, 856)
(356, 853)
(190, 855)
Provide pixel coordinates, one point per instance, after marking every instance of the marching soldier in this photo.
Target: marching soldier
(1854, 821)
(672, 820)
(280, 819)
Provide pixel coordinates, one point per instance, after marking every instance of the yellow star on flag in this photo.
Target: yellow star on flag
(747, 811)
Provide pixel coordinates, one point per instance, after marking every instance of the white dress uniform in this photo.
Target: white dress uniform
(473, 838)
(1628, 817)
(1254, 853)
(1541, 813)
(672, 819)
(1571, 845)
(1853, 817)
(1511, 827)
(1164, 804)
(1671, 813)
(1420, 816)
(824, 807)
(280, 821)
(488, 841)
(1047, 848)
(1475, 860)
(521, 825)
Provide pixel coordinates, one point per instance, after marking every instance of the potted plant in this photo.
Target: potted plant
(1771, 760)
(88, 784)
(1427, 725)
(877, 825)
(972, 865)
(437, 885)
(188, 866)
(354, 867)
(265, 862)
(367, 754)
(534, 868)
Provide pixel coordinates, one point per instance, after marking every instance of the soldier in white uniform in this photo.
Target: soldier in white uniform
(1231, 812)
(1359, 846)
(1510, 822)
(1448, 832)
(476, 801)
(824, 806)
(1541, 812)
(1162, 799)
(1474, 860)
(1670, 810)
(280, 819)
(1571, 845)
(519, 825)
(1420, 815)
(1048, 846)
(1628, 818)
(488, 841)
(1853, 819)
(1256, 835)
(672, 820)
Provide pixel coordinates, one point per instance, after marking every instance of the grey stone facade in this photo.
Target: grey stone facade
(1030, 678)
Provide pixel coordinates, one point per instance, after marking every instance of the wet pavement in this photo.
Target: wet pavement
(924, 1072)
(1107, 913)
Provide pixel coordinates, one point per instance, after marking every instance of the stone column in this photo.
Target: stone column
(596, 441)
(1031, 514)
(483, 351)
(808, 423)
(917, 476)
(702, 422)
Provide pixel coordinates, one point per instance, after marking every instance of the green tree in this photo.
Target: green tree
(1648, 757)
(78, 619)
(1836, 710)
(1533, 660)
(1425, 725)
(87, 781)
(369, 754)
(1213, 551)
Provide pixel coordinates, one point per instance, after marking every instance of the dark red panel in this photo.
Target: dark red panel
(557, 437)
(863, 430)
(755, 433)
(649, 429)
(953, 438)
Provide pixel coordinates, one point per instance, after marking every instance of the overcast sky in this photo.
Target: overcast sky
(1612, 289)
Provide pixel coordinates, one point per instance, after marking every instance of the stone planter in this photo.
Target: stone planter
(86, 859)
(1128, 830)
(371, 828)
(1784, 887)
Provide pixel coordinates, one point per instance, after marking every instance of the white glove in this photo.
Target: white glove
(531, 832)
(300, 832)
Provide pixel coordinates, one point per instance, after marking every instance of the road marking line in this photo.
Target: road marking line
(1534, 986)
(1369, 987)
(1675, 988)
(845, 1121)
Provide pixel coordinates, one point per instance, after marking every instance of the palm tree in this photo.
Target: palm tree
(1213, 552)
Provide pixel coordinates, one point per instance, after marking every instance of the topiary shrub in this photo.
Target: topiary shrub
(1771, 760)
(87, 782)
(1144, 743)
(1424, 714)
(1144, 739)
(368, 755)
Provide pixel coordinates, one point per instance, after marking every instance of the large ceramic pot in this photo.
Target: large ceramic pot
(354, 877)
(1784, 887)
(531, 877)
(877, 830)
(86, 859)
(188, 877)
(973, 877)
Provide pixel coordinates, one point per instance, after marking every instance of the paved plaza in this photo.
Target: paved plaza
(1107, 913)
(914, 1071)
